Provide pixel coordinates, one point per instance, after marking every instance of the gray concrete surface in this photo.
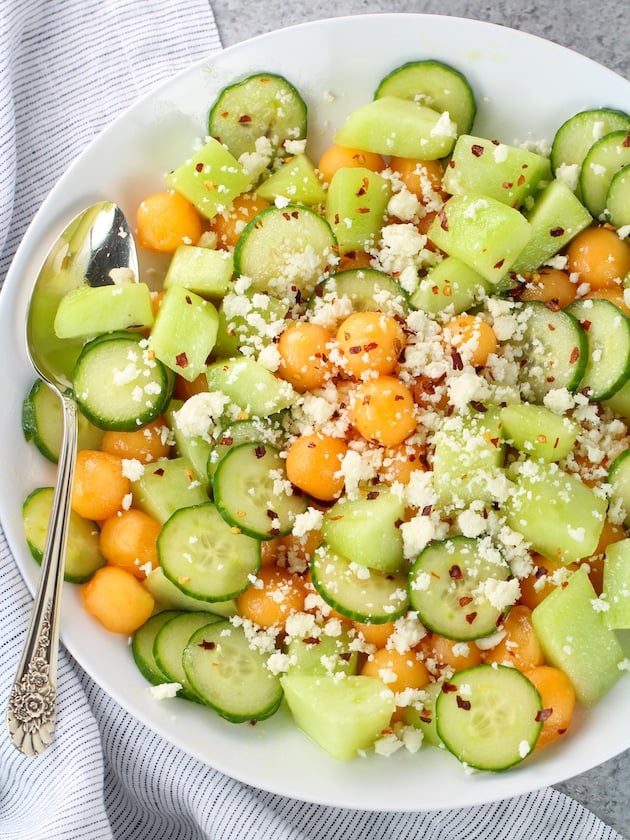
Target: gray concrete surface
(597, 30)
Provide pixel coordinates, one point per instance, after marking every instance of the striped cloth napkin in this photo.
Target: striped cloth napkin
(67, 68)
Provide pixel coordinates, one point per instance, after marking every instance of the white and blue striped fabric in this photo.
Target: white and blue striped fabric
(67, 68)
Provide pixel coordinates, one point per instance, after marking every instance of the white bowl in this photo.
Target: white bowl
(525, 88)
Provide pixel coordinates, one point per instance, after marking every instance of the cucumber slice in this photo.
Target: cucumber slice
(252, 492)
(435, 84)
(456, 586)
(552, 348)
(603, 160)
(285, 251)
(83, 554)
(204, 557)
(616, 585)
(619, 478)
(118, 384)
(577, 134)
(489, 718)
(262, 105)
(367, 289)
(257, 429)
(608, 335)
(618, 198)
(229, 674)
(170, 597)
(42, 423)
(169, 644)
(357, 592)
(142, 646)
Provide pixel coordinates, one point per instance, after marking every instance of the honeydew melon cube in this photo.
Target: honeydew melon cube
(506, 173)
(355, 207)
(165, 486)
(170, 597)
(449, 284)
(211, 179)
(343, 715)
(557, 514)
(296, 180)
(250, 386)
(91, 310)
(574, 637)
(321, 655)
(482, 232)
(538, 432)
(616, 587)
(202, 270)
(400, 127)
(184, 332)
(557, 216)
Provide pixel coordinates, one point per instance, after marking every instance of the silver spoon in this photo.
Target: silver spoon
(95, 246)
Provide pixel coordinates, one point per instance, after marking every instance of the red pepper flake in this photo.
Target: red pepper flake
(199, 167)
(371, 345)
(543, 715)
(271, 514)
(311, 445)
(507, 185)
(455, 572)
(626, 141)
(557, 231)
(260, 451)
(425, 716)
(373, 494)
(244, 118)
(226, 440)
(188, 300)
(363, 210)
(521, 180)
(478, 406)
(499, 264)
(365, 183)
(465, 600)
(448, 687)
(451, 163)
(398, 397)
(540, 572)
(354, 350)
(462, 704)
(204, 645)
(159, 472)
(346, 656)
(426, 510)
(181, 360)
(471, 617)
(553, 305)
(456, 360)
(477, 150)
(586, 325)
(443, 219)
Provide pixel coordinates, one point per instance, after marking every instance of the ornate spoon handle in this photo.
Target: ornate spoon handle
(32, 705)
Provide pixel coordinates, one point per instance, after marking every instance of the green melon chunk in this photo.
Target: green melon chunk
(170, 597)
(400, 127)
(295, 180)
(210, 180)
(355, 207)
(450, 284)
(482, 232)
(574, 637)
(166, 486)
(319, 655)
(184, 332)
(342, 716)
(91, 310)
(202, 270)
(250, 386)
(617, 585)
(506, 173)
(538, 432)
(560, 516)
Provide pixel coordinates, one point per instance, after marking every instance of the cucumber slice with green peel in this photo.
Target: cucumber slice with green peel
(366, 530)
(423, 716)
(250, 386)
(538, 432)
(42, 423)
(296, 180)
(142, 646)
(577, 134)
(483, 232)
(461, 588)
(169, 645)
(435, 84)
(450, 284)
(489, 717)
(211, 179)
(505, 173)
(167, 485)
(341, 716)
(608, 335)
(118, 384)
(603, 160)
(367, 289)
(205, 557)
(258, 429)
(556, 217)
(83, 555)
(552, 349)
(262, 105)
(356, 205)
(575, 638)
(616, 585)
(285, 251)
(359, 593)
(555, 512)
(400, 127)
(618, 198)
(252, 492)
(230, 675)
(619, 478)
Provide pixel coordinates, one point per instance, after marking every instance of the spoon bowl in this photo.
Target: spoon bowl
(93, 248)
